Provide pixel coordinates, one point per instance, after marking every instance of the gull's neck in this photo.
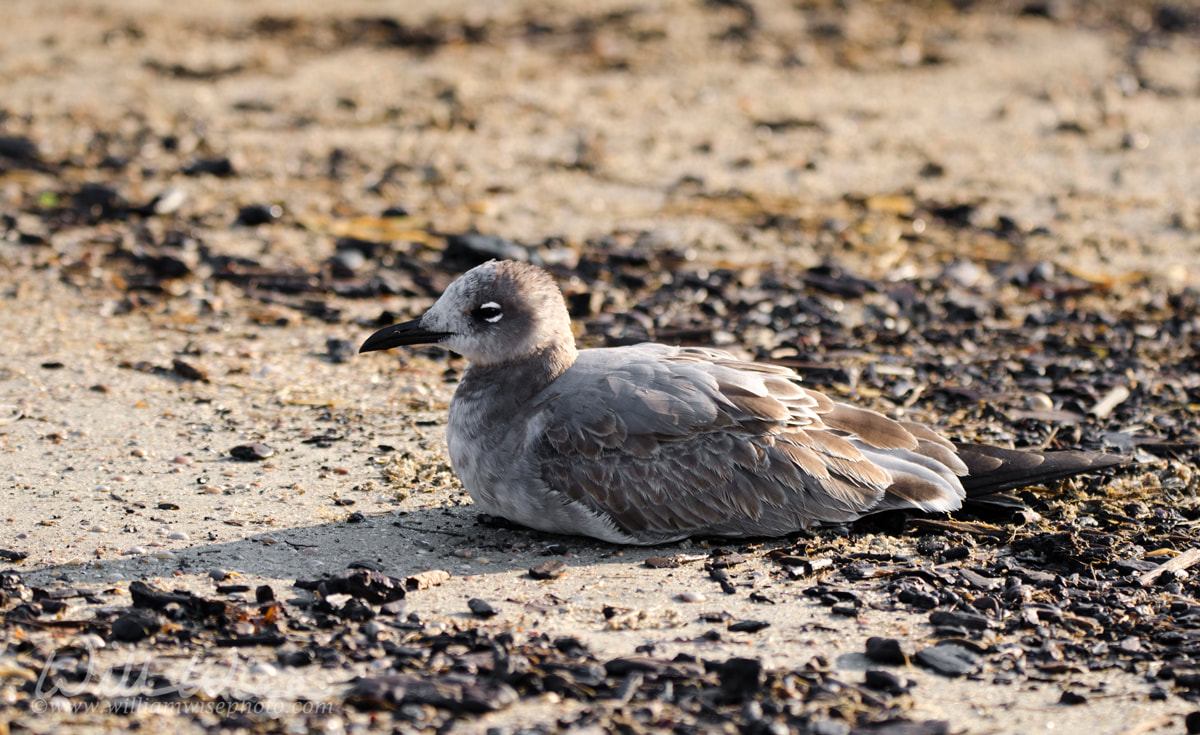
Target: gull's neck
(508, 385)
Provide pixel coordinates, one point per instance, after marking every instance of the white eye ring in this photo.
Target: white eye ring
(491, 306)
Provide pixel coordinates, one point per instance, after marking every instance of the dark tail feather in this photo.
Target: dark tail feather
(994, 470)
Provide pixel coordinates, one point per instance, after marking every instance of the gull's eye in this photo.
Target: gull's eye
(489, 312)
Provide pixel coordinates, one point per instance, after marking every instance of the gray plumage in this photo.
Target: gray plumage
(649, 443)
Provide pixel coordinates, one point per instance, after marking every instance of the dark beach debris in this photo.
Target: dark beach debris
(470, 249)
(948, 660)
(748, 626)
(886, 681)
(552, 569)
(455, 693)
(10, 555)
(135, 625)
(188, 371)
(370, 585)
(253, 215)
(1072, 697)
(1183, 561)
(340, 350)
(18, 152)
(1192, 722)
(481, 608)
(886, 651)
(221, 167)
(179, 603)
(271, 640)
(255, 452)
(662, 562)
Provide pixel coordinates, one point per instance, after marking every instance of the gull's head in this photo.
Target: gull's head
(499, 312)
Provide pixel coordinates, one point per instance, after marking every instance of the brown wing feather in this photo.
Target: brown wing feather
(874, 428)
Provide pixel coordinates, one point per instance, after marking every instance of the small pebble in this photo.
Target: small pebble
(886, 651)
(480, 608)
(948, 660)
(548, 569)
(181, 459)
(134, 551)
(179, 536)
(253, 215)
(691, 597)
(255, 452)
(748, 626)
(1038, 402)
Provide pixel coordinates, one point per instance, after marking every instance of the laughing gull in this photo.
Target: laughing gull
(649, 443)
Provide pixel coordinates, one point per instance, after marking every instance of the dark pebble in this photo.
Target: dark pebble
(264, 594)
(375, 587)
(355, 517)
(481, 608)
(294, 658)
(621, 667)
(844, 610)
(210, 166)
(370, 585)
(98, 202)
(885, 681)
(956, 552)
(254, 215)
(134, 626)
(356, 611)
(721, 577)
(340, 350)
(741, 676)
(10, 555)
(917, 598)
(1192, 722)
(725, 562)
(232, 589)
(548, 569)
(948, 660)
(188, 371)
(26, 611)
(394, 691)
(274, 640)
(251, 452)
(1070, 697)
(662, 562)
(18, 149)
(886, 651)
(748, 626)
(956, 619)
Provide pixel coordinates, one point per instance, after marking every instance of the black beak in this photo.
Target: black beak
(404, 333)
